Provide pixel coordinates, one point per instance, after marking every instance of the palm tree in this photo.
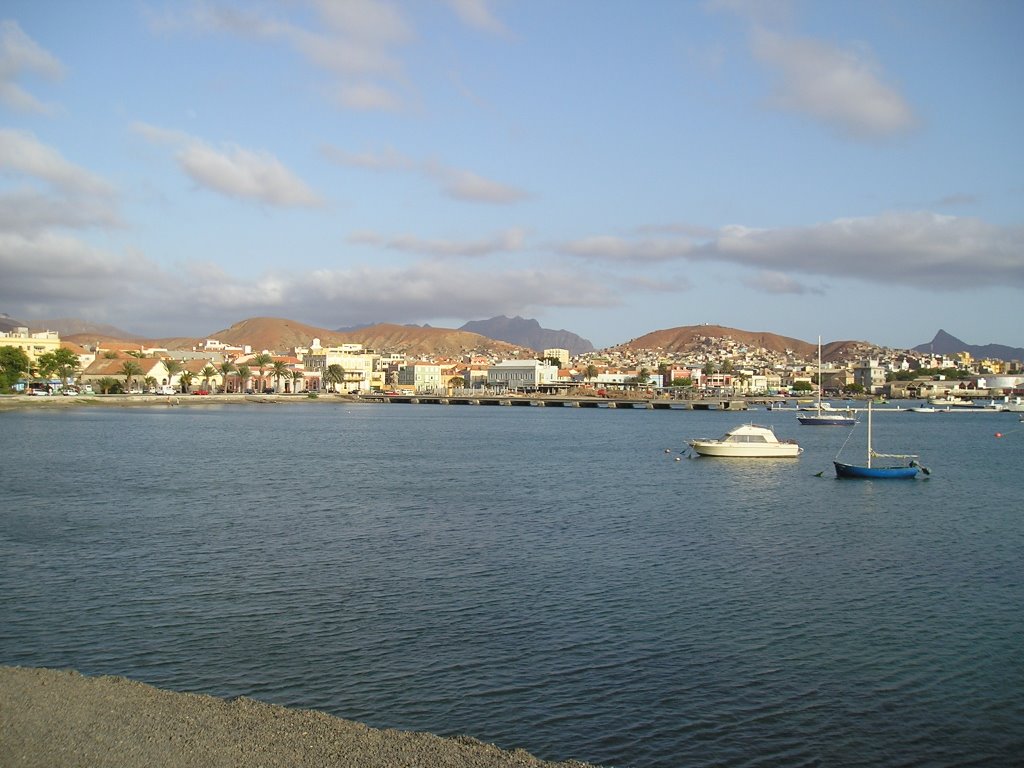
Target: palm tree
(130, 369)
(334, 375)
(590, 372)
(106, 384)
(261, 361)
(150, 382)
(186, 380)
(280, 368)
(208, 373)
(244, 372)
(225, 369)
(297, 376)
(173, 369)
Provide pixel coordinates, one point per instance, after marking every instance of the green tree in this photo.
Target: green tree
(244, 372)
(208, 373)
(590, 372)
(130, 369)
(150, 382)
(106, 384)
(186, 380)
(13, 364)
(334, 375)
(261, 361)
(297, 376)
(225, 368)
(644, 376)
(802, 386)
(684, 382)
(853, 388)
(280, 370)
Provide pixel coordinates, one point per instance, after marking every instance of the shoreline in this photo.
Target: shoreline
(60, 717)
(17, 402)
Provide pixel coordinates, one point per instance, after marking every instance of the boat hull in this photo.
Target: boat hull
(714, 448)
(874, 473)
(826, 420)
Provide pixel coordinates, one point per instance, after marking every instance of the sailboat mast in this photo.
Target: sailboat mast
(819, 375)
(869, 434)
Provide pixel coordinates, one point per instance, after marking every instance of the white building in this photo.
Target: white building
(521, 374)
(870, 375)
(561, 355)
(358, 364)
(424, 378)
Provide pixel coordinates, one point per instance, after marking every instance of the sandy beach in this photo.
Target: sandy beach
(61, 719)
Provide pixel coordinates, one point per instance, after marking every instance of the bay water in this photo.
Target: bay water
(568, 581)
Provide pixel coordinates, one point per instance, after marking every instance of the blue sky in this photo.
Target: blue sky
(845, 169)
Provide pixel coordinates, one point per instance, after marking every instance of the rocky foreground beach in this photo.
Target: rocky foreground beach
(60, 719)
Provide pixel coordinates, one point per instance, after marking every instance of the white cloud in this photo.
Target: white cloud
(920, 249)
(510, 240)
(478, 13)
(469, 187)
(50, 191)
(629, 250)
(353, 41)
(844, 89)
(22, 152)
(367, 97)
(234, 171)
(455, 183)
(20, 54)
(778, 283)
(242, 173)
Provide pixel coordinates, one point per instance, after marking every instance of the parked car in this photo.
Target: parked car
(201, 392)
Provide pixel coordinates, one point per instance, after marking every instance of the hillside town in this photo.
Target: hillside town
(718, 365)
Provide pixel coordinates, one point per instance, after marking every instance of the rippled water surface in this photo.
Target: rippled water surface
(543, 578)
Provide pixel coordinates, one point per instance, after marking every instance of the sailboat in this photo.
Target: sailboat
(825, 415)
(873, 471)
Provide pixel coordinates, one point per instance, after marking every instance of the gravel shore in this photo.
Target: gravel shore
(61, 719)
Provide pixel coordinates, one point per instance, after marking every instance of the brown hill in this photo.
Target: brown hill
(279, 334)
(690, 338)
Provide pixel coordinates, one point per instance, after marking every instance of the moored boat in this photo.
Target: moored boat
(823, 414)
(872, 471)
(750, 441)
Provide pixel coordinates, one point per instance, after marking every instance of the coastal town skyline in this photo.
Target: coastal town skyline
(797, 168)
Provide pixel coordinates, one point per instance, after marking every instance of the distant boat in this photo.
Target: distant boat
(749, 441)
(1016, 404)
(824, 415)
(872, 471)
(923, 408)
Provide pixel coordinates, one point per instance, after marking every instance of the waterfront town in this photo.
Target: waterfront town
(719, 366)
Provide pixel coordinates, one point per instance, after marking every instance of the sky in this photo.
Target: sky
(850, 169)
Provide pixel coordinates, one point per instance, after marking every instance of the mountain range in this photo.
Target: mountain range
(945, 344)
(528, 333)
(510, 337)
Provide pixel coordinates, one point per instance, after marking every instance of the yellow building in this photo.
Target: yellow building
(33, 344)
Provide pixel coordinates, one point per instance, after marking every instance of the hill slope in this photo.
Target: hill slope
(279, 334)
(690, 338)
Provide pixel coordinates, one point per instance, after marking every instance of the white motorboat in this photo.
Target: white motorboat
(747, 441)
